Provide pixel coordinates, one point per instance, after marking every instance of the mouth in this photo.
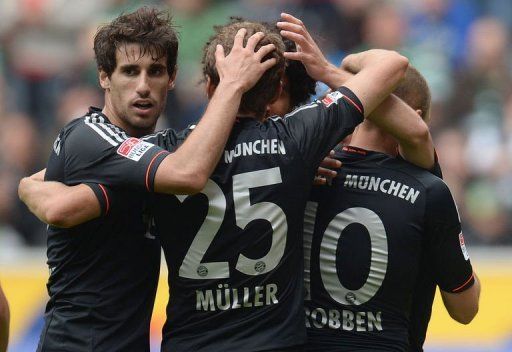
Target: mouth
(143, 105)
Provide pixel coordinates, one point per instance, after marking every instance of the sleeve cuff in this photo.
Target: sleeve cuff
(349, 96)
(152, 167)
(103, 196)
(467, 284)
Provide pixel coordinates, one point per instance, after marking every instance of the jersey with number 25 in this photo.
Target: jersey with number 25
(234, 251)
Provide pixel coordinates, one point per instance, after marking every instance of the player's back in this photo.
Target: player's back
(103, 273)
(233, 252)
(364, 237)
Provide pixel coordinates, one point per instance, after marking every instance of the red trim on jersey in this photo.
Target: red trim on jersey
(464, 284)
(352, 102)
(356, 150)
(149, 168)
(106, 198)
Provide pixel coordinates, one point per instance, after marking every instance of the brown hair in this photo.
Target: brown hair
(150, 28)
(415, 92)
(258, 97)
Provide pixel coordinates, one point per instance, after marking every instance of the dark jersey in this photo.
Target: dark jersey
(234, 251)
(103, 273)
(366, 240)
(423, 295)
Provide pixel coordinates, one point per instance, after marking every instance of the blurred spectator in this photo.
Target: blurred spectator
(20, 138)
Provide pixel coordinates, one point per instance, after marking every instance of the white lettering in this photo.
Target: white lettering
(350, 181)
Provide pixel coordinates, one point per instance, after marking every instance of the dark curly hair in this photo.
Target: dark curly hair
(259, 96)
(150, 28)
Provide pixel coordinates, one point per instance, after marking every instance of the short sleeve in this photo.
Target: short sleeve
(104, 196)
(319, 126)
(447, 250)
(102, 153)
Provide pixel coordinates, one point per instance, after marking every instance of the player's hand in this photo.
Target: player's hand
(308, 51)
(244, 66)
(325, 173)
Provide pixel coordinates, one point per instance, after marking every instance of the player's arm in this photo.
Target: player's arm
(446, 249)
(463, 306)
(4, 322)
(59, 205)
(188, 169)
(371, 75)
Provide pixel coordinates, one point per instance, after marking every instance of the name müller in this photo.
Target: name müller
(258, 147)
(387, 186)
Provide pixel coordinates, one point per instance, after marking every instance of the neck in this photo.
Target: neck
(373, 139)
(250, 115)
(129, 129)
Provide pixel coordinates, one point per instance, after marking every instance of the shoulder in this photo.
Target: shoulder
(424, 177)
(95, 129)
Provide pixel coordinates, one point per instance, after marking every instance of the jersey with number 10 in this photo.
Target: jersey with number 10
(234, 251)
(366, 240)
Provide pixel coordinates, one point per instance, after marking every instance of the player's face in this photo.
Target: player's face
(136, 92)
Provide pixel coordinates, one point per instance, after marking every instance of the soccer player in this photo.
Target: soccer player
(103, 274)
(234, 252)
(378, 242)
(4, 321)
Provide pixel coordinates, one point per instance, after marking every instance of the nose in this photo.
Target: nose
(142, 88)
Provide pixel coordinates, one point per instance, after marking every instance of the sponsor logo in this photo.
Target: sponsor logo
(134, 148)
(331, 98)
(463, 246)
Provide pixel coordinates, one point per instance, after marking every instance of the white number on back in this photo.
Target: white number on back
(329, 246)
(245, 212)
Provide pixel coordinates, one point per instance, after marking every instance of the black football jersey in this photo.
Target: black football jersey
(103, 273)
(366, 240)
(234, 251)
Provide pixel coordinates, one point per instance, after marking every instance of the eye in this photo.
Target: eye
(130, 71)
(157, 71)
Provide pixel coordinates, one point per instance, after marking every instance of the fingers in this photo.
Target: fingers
(289, 18)
(265, 50)
(265, 65)
(296, 38)
(297, 56)
(219, 53)
(328, 173)
(319, 181)
(330, 163)
(292, 27)
(239, 38)
(254, 40)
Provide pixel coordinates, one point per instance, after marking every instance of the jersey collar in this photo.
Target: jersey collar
(356, 153)
(94, 110)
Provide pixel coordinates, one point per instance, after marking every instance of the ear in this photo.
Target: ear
(420, 112)
(210, 87)
(104, 80)
(279, 91)
(172, 79)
